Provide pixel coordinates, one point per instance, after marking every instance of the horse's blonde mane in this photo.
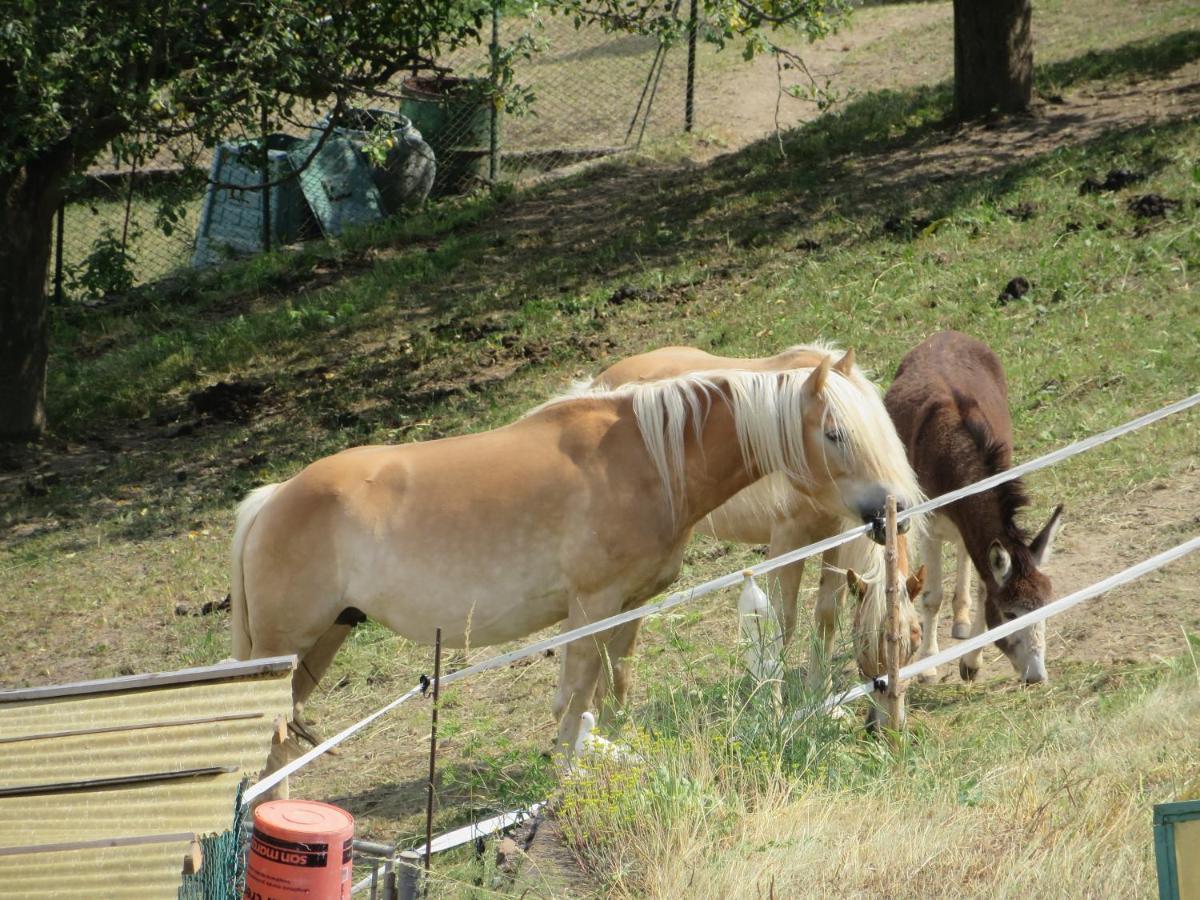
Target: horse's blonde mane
(768, 409)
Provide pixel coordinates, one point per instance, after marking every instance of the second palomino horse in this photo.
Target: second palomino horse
(786, 516)
(870, 630)
(578, 511)
(949, 401)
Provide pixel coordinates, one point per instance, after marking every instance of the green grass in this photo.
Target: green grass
(460, 318)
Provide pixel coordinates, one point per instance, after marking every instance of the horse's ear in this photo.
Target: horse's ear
(845, 365)
(1000, 563)
(915, 583)
(816, 381)
(858, 587)
(1040, 548)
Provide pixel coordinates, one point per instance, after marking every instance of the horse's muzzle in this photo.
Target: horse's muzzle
(877, 519)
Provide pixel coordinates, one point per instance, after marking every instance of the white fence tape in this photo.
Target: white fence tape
(717, 584)
(985, 484)
(277, 776)
(468, 833)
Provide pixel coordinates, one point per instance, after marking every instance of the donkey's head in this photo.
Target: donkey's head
(1015, 585)
(854, 457)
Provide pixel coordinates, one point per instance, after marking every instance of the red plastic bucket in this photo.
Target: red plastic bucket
(299, 848)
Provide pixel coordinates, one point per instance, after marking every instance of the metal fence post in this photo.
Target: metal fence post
(689, 109)
(266, 177)
(437, 678)
(58, 252)
(494, 127)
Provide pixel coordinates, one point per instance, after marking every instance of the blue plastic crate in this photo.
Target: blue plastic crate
(231, 219)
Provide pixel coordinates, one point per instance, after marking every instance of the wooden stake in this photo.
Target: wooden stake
(193, 859)
(437, 675)
(895, 696)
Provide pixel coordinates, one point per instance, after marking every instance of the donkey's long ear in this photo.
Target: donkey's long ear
(816, 381)
(999, 562)
(1040, 548)
(845, 365)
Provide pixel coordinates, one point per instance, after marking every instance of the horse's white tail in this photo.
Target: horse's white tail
(239, 619)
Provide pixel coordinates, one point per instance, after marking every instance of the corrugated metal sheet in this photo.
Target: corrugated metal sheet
(144, 871)
(132, 730)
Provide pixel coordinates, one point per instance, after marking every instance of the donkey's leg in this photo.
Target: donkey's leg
(961, 604)
(784, 583)
(968, 666)
(931, 602)
(820, 660)
(616, 673)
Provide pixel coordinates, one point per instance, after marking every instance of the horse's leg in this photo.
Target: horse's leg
(282, 752)
(961, 603)
(580, 667)
(317, 644)
(784, 584)
(313, 666)
(616, 674)
(820, 659)
(931, 601)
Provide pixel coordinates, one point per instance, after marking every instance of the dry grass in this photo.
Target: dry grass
(1035, 800)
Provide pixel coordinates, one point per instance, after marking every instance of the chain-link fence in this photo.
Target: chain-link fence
(537, 95)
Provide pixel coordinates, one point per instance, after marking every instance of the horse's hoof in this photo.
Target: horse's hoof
(929, 676)
(961, 630)
(967, 673)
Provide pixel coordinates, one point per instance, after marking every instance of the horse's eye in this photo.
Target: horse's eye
(836, 436)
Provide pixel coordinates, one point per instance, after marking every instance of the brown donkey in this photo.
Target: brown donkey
(949, 403)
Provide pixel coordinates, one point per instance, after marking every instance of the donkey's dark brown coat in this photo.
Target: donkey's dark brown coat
(949, 402)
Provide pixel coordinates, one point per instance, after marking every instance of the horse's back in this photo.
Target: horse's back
(671, 362)
(665, 362)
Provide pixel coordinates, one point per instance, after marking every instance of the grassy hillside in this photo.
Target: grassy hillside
(875, 226)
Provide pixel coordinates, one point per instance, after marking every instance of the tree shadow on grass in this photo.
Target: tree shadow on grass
(883, 155)
(1147, 58)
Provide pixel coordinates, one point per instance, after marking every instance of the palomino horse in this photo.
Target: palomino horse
(786, 516)
(870, 636)
(578, 511)
(950, 404)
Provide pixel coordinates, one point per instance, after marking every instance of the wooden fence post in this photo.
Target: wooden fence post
(895, 696)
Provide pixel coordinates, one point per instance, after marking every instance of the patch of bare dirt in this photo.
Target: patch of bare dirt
(748, 97)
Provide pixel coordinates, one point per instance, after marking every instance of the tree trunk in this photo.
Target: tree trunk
(27, 204)
(993, 57)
